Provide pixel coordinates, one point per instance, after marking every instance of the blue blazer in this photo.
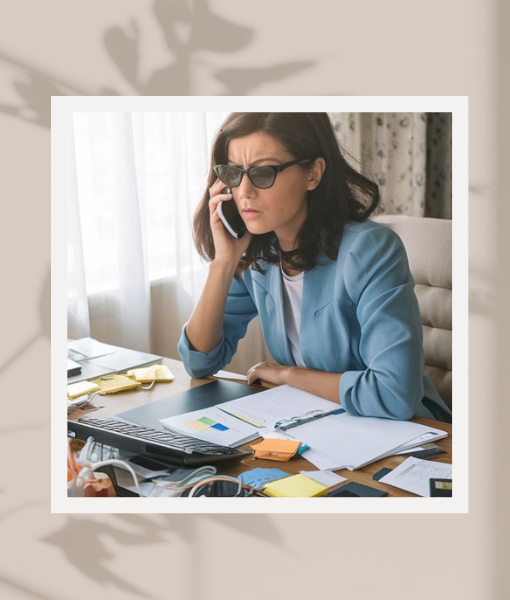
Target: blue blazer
(359, 317)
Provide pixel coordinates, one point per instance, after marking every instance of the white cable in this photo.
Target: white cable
(149, 386)
(218, 478)
(190, 480)
(120, 463)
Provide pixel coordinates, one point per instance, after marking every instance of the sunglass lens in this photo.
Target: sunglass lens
(229, 175)
(262, 177)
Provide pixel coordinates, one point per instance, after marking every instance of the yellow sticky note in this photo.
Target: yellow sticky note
(110, 384)
(152, 373)
(75, 390)
(296, 486)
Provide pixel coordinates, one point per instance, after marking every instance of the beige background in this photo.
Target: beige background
(326, 47)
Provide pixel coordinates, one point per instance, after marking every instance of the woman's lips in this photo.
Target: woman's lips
(248, 212)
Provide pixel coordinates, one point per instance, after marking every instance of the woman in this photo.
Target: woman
(333, 290)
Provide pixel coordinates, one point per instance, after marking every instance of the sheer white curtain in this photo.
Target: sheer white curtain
(134, 182)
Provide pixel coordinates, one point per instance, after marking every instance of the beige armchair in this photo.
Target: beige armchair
(428, 243)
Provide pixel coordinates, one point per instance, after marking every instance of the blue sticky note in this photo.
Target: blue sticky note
(219, 427)
(258, 477)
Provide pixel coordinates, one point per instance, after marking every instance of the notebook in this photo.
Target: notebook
(97, 359)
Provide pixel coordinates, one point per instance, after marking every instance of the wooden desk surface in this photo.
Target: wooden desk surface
(114, 404)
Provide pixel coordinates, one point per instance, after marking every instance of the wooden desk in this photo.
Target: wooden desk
(114, 404)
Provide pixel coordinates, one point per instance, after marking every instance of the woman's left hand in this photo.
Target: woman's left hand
(267, 372)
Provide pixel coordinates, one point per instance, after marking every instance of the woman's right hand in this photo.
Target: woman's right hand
(227, 248)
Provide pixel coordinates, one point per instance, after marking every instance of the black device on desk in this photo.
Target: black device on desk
(171, 447)
(73, 368)
(197, 398)
(139, 431)
(356, 490)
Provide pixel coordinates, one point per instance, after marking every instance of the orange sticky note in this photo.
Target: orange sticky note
(272, 449)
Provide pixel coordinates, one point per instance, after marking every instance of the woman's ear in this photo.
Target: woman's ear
(316, 173)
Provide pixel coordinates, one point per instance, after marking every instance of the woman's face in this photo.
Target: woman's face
(281, 208)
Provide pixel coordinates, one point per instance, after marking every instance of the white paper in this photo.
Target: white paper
(231, 376)
(276, 404)
(237, 432)
(428, 446)
(413, 449)
(321, 462)
(326, 478)
(431, 436)
(414, 475)
(278, 435)
(344, 441)
(88, 348)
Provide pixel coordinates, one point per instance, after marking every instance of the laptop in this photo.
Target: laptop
(73, 368)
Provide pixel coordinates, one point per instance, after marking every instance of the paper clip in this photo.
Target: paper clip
(307, 417)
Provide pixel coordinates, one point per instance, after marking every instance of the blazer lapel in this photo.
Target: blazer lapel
(272, 314)
(281, 338)
(318, 292)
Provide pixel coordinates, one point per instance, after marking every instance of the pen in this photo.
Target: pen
(302, 420)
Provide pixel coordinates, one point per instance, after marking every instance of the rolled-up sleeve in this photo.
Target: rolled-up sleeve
(378, 280)
(239, 311)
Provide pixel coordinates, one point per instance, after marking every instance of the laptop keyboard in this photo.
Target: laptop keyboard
(138, 438)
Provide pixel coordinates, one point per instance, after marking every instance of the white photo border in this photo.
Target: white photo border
(63, 106)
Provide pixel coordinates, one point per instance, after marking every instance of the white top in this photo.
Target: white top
(292, 296)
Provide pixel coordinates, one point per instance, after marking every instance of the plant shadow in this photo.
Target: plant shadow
(194, 36)
(90, 556)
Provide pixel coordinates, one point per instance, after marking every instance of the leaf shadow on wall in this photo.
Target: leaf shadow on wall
(91, 555)
(194, 36)
(44, 331)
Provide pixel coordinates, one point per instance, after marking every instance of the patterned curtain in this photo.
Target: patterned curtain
(409, 155)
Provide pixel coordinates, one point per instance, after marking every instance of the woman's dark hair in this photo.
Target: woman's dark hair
(343, 194)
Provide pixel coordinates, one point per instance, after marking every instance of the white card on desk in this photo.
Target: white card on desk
(414, 475)
(231, 376)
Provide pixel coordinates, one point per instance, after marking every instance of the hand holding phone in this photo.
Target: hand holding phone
(230, 217)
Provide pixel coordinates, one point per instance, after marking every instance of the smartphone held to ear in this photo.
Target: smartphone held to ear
(231, 218)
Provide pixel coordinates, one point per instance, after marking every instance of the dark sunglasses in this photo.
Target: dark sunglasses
(261, 177)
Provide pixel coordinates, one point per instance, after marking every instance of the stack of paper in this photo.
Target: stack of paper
(344, 441)
(239, 421)
(277, 404)
(336, 441)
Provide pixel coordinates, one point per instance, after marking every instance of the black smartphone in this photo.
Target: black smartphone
(231, 218)
(356, 490)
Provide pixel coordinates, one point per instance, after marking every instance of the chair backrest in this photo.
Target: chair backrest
(428, 243)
